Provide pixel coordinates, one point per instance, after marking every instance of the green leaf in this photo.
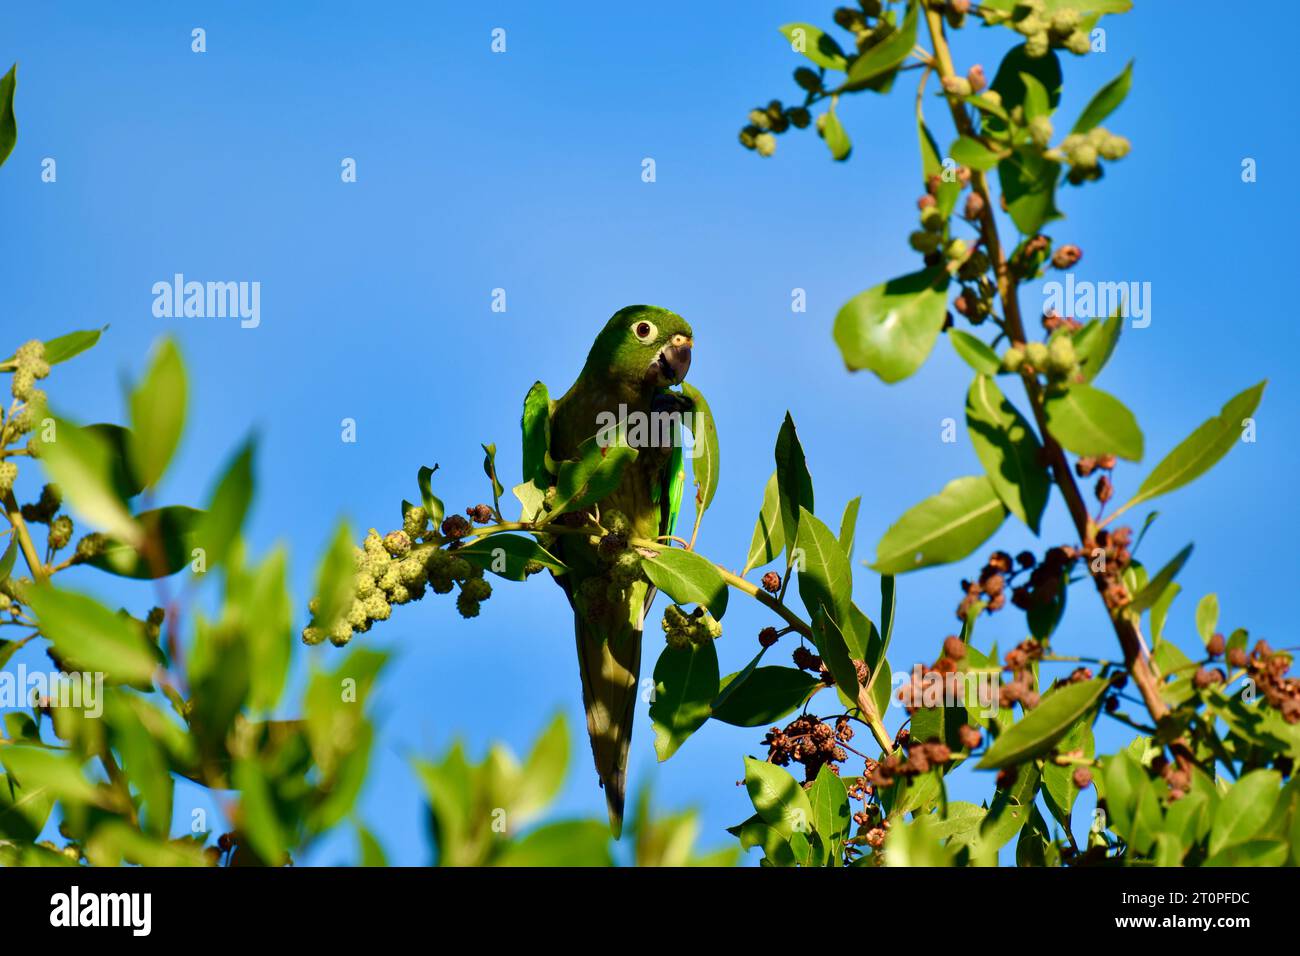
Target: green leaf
(1037, 101)
(1131, 801)
(259, 819)
(81, 464)
(1028, 182)
(143, 762)
(1088, 421)
(432, 503)
(968, 151)
(335, 576)
(1008, 449)
(848, 526)
(764, 696)
(1058, 781)
(931, 163)
(1207, 616)
(1244, 809)
(537, 434)
(688, 578)
(543, 773)
(23, 810)
(8, 123)
(7, 559)
(263, 601)
(66, 346)
(567, 843)
(793, 482)
(706, 456)
(1039, 730)
(158, 414)
(1105, 101)
(890, 329)
(507, 555)
(686, 681)
(830, 808)
(90, 637)
(58, 774)
(1156, 587)
(975, 352)
(943, 528)
(585, 481)
(834, 651)
(768, 540)
(825, 576)
(1010, 810)
(370, 851)
(837, 140)
(816, 45)
(170, 537)
(1202, 449)
(1160, 612)
(888, 54)
(1009, 81)
(778, 798)
(1094, 344)
(490, 469)
(220, 526)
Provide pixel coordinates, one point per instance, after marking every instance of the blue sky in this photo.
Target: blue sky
(522, 171)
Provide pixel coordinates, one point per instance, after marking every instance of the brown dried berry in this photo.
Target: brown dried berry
(455, 527)
(771, 582)
(1082, 777)
(1215, 645)
(479, 514)
(954, 647)
(1066, 256)
(767, 636)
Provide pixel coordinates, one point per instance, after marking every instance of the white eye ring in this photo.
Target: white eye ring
(650, 333)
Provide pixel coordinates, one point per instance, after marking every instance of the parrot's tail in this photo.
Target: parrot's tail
(609, 656)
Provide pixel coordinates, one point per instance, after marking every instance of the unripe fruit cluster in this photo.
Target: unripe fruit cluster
(765, 122)
(1062, 27)
(1084, 152)
(1055, 358)
(397, 568)
(682, 629)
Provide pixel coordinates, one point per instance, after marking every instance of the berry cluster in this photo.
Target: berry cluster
(1268, 670)
(1054, 359)
(1063, 27)
(29, 367)
(1113, 548)
(682, 629)
(809, 741)
(399, 567)
(1020, 689)
(620, 564)
(928, 683)
(1084, 152)
(774, 118)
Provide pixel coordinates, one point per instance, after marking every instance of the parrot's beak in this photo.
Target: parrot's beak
(673, 361)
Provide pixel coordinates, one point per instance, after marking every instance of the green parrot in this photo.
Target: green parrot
(641, 352)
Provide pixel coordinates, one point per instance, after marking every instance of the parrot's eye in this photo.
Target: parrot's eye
(645, 331)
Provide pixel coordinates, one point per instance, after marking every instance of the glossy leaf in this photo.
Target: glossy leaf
(1155, 588)
(768, 540)
(793, 482)
(432, 503)
(585, 481)
(228, 507)
(8, 123)
(975, 352)
(1202, 449)
(707, 457)
(890, 329)
(778, 798)
(837, 139)
(1088, 421)
(688, 578)
(686, 681)
(764, 696)
(88, 636)
(1028, 182)
(1244, 809)
(1105, 101)
(943, 528)
(334, 579)
(1008, 449)
(170, 536)
(815, 44)
(158, 414)
(82, 465)
(1039, 730)
(508, 555)
(848, 526)
(888, 54)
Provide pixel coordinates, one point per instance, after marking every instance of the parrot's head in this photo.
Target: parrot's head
(643, 345)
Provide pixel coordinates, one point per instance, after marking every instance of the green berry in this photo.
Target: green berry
(765, 144)
(399, 595)
(91, 546)
(377, 607)
(460, 569)
(1064, 20)
(312, 635)
(341, 633)
(1012, 359)
(933, 220)
(415, 522)
(8, 474)
(1078, 43)
(60, 533)
(1036, 355)
(397, 544)
(923, 242)
(1037, 45)
(1060, 356)
(477, 589)
(466, 605)
(1114, 147)
(1040, 131)
(411, 570)
(390, 579)
(808, 79)
(956, 250)
(1085, 156)
(356, 616)
(760, 119)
